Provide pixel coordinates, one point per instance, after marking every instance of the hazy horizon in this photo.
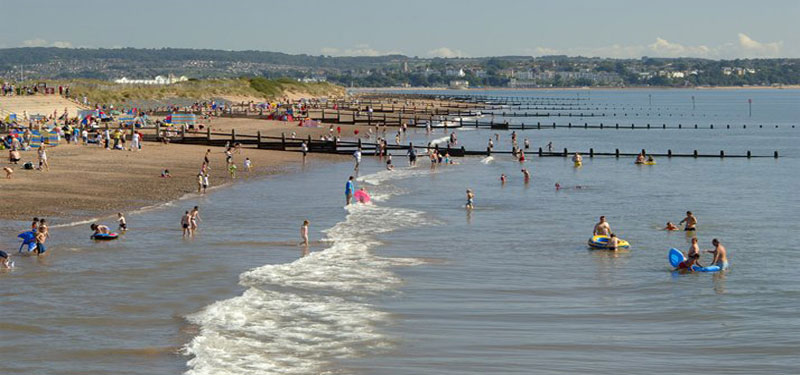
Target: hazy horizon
(618, 29)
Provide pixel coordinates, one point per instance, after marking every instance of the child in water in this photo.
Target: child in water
(470, 199)
(123, 224)
(5, 260)
(670, 226)
(304, 233)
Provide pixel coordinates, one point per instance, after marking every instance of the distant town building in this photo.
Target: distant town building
(459, 84)
(455, 73)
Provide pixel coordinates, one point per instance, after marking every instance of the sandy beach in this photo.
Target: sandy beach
(89, 181)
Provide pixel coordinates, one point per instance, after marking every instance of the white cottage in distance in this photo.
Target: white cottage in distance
(158, 80)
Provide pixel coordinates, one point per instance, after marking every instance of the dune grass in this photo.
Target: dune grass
(112, 93)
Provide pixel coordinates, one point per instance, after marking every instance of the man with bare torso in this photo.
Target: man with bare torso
(691, 222)
(720, 255)
(602, 228)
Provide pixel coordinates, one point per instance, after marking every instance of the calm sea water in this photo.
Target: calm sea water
(415, 284)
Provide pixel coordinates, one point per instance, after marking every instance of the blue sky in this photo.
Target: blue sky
(621, 28)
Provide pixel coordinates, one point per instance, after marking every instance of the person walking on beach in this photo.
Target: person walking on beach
(205, 182)
(304, 149)
(42, 155)
(186, 221)
(349, 188)
(205, 158)
(135, 142)
(247, 164)
(304, 233)
(720, 255)
(691, 222)
(602, 228)
(199, 182)
(232, 170)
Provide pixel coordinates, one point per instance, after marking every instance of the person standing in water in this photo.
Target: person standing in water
(123, 224)
(470, 199)
(412, 155)
(195, 217)
(720, 255)
(357, 157)
(602, 228)
(186, 221)
(349, 188)
(526, 175)
(613, 242)
(691, 222)
(304, 233)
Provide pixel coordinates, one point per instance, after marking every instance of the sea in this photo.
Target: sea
(414, 283)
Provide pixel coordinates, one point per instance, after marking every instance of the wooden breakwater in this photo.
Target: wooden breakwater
(282, 143)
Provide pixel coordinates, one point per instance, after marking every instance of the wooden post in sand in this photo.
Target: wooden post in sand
(158, 131)
(208, 135)
(283, 141)
(258, 135)
(233, 136)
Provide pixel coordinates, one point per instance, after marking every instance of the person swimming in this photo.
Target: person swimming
(671, 226)
(5, 260)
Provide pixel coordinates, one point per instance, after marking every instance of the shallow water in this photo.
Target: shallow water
(416, 284)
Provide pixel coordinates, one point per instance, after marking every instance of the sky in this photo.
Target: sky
(430, 28)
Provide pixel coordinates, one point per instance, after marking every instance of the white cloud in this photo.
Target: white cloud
(39, 42)
(762, 49)
(357, 50)
(746, 47)
(445, 52)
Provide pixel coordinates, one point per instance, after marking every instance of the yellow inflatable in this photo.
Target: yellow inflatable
(601, 242)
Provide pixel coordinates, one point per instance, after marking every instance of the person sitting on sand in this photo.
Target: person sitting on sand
(671, 226)
(165, 173)
(13, 156)
(100, 229)
(720, 255)
(601, 228)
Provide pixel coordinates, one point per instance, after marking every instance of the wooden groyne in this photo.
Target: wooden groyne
(282, 143)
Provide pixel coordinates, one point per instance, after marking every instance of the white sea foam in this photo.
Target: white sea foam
(487, 160)
(439, 141)
(296, 318)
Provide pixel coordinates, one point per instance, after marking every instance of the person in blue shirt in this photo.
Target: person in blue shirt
(349, 188)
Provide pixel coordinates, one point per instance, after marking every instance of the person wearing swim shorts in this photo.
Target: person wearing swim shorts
(470, 199)
(123, 224)
(720, 255)
(412, 155)
(691, 222)
(349, 188)
(186, 220)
